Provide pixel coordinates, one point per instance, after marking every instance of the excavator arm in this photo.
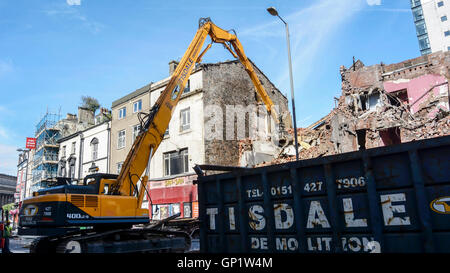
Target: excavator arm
(155, 123)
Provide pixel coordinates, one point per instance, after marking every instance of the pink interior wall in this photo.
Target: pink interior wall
(416, 88)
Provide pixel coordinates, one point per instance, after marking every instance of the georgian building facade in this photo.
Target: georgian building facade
(85, 152)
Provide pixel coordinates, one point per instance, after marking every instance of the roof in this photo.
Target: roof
(132, 95)
(80, 132)
(149, 87)
(319, 122)
(153, 86)
(254, 66)
(8, 180)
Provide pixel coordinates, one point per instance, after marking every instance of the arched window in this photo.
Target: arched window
(94, 148)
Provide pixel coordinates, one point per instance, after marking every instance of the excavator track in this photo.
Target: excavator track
(144, 240)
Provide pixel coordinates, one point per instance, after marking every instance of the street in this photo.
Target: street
(21, 244)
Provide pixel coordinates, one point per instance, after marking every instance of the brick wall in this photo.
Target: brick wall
(228, 83)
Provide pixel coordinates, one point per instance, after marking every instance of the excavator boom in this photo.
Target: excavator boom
(156, 123)
(111, 204)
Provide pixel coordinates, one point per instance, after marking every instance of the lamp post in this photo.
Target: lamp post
(274, 12)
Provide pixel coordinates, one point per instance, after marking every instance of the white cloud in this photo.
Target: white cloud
(5, 67)
(310, 30)
(73, 2)
(8, 153)
(73, 14)
(3, 133)
(373, 2)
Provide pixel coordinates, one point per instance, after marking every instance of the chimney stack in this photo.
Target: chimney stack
(71, 116)
(172, 66)
(85, 115)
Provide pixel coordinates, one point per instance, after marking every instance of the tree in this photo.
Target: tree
(90, 103)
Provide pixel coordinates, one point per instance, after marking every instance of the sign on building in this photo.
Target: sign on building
(31, 143)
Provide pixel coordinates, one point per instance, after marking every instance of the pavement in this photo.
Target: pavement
(20, 244)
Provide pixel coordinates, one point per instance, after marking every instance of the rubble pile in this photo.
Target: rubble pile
(312, 144)
(379, 106)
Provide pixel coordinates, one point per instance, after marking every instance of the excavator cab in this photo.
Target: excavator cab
(90, 185)
(59, 208)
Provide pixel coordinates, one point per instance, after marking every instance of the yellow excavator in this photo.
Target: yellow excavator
(98, 215)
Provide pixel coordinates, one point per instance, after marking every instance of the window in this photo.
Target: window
(424, 43)
(156, 212)
(399, 98)
(166, 133)
(119, 167)
(72, 162)
(136, 129)
(361, 136)
(421, 28)
(390, 136)
(72, 151)
(137, 106)
(162, 211)
(105, 189)
(187, 88)
(63, 152)
(176, 162)
(444, 18)
(418, 14)
(121, 139)
(447, 33)
(415, 3)
(122, 112)
(72, 171)
(374, 101)
(187, 210)
(185, 119)
(426, 51)
(440, 4)
(94, 148)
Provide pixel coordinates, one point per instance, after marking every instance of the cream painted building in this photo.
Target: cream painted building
(182, 134)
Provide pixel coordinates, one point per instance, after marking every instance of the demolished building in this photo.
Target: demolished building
(380, 105)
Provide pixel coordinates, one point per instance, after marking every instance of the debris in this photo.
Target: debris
(380, 105)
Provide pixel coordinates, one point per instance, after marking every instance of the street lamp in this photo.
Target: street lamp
(274, 12)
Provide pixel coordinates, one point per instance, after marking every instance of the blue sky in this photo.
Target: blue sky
(53, 52)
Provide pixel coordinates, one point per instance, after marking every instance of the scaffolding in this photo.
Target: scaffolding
(45, 162)
(48, 121)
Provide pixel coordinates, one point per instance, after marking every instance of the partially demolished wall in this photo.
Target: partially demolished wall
(380, 105)
(228, 87)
